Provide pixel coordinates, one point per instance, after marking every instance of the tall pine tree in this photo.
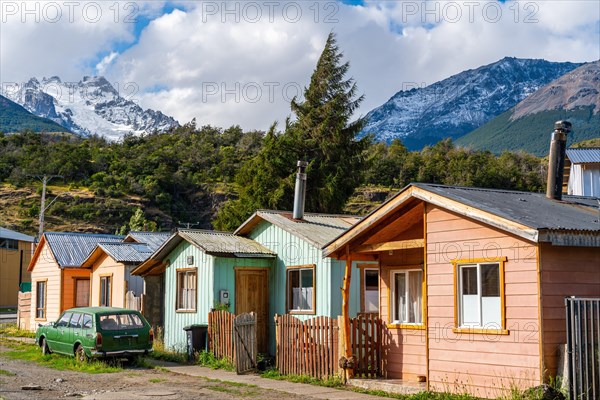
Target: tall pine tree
(322, 134)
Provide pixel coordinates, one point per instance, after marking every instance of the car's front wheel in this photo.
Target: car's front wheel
(80, 354)
(45, 348)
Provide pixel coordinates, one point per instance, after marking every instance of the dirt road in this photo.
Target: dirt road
(130, 384)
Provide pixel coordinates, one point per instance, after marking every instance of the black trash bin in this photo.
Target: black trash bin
(197, 339)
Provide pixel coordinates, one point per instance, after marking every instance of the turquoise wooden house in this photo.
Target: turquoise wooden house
(303, 282)
(201, 270)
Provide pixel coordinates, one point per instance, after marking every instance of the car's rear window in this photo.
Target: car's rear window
(113, 322)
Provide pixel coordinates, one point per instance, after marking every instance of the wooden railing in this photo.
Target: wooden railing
(307, 348)
(220, 334)
(366, 333)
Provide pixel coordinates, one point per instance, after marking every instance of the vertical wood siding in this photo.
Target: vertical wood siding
(214, 274)
(46, 269)
(174, 335)
(566, 271)
(481, 364)
(106, 265)
(292, 250)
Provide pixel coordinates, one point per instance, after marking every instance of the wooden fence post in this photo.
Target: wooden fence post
(341, 346)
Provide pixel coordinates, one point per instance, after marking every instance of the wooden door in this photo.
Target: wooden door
(82, 292)
(252, 295)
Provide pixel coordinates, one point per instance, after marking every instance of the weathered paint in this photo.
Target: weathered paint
(10, 268)
(565, 271)
(329, 273)
(213, 274)
(46, 269)
(482, 364)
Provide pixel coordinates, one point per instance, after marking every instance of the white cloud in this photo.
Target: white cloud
(199, 62)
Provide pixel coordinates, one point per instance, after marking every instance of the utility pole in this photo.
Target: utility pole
(44, 179)
(189, 224)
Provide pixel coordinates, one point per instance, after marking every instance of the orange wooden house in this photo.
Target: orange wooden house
(57, 280)
(472, 282)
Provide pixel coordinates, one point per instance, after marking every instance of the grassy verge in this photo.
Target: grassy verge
(13, 330)
(207, 359)
(30, 352)
(6, 373)
(333, 382)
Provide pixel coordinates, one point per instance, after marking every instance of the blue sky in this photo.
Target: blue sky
(193, 60)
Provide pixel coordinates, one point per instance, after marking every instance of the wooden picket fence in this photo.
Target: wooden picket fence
(307, 347)
(233, 338)
(220, 334)
(245, 343)
(366, 332)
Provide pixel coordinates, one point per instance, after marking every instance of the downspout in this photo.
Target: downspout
(348, 365)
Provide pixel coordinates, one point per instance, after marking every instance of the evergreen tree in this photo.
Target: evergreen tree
(322, 134)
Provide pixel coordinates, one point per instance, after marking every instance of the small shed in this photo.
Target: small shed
(582, 171)
(202, 270)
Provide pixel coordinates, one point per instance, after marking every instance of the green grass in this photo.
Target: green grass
(207, 359)
(156, 380)
(30, 352)
(333, 382)
(13, 330)
(6, 373)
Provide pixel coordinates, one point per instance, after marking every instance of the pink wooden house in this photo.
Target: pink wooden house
(472, 282)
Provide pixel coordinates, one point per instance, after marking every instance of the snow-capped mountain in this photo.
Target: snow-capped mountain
(90, 106)
(459, 104)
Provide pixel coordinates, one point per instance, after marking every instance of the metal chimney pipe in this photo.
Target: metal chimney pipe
(556, 162)
(300, 191)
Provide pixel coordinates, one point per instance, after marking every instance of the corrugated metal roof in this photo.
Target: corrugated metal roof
(71, 249)
(153, 239)
(13, 235)
(533, 210)
(584, 155)
(127, 252)
(223, 243)
(317, 229)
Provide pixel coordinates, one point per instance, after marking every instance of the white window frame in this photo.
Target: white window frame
(460, 324)
(301, 269)
(183, 274)
(364, 288)
(393, 300)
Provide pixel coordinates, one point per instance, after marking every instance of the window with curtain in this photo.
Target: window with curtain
(301, 284)
(105, 291)
(479, 296)
(407, 297)
(40, 300)
(186, 290)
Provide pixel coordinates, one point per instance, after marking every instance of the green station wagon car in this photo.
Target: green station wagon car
(97, 332)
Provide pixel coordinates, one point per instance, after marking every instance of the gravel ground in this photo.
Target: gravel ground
(132, 383)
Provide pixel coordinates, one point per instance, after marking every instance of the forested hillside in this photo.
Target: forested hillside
(185, 176)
